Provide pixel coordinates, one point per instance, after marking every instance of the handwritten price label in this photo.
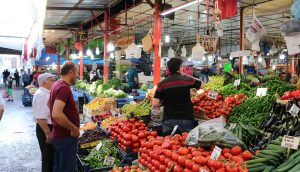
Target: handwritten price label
(261, 92)
(237, 82)
(99, 145)
(290, 142)
(213, 94)
(294, 110)
(216, 153)
(109, 160)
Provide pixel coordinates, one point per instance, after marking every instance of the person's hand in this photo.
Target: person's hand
(75, 133)
(48, 137)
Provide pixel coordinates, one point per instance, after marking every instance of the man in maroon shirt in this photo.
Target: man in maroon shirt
(65, 119)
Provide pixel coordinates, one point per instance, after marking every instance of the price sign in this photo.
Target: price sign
(174, 130)
(212, 94)
(216, 153)
(294, 110)
(261, 92)
(232, 126)
(99, 145)
(237, 82)
(290, 142)
(109, 160)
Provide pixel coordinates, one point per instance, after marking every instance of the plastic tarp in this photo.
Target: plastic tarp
(270, 8)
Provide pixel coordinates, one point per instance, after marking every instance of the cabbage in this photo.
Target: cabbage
(120, 94)
(144, 87)
(110, 92)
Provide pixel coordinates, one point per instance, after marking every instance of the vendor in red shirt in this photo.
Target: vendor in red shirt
(174, 94)
(65, 119)
(35, 77)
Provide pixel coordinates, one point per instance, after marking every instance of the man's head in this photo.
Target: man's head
(69, 71)
(174, 65)
(46, 80)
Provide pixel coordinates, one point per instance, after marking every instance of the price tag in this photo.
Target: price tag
(261, 92)
(290, 142)
(109, 160)
(237, 82)
(294, 110)
(216, 153)
(212, 94)
(174, 130)
(232, 126)
(99, 145)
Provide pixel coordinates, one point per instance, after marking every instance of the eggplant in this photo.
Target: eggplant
(270, 122)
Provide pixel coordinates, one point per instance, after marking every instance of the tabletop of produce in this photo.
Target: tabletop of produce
(241, 127)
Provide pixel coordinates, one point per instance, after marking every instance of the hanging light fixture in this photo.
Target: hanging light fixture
(80, 54)
(282, 56)
(274, 67)
(88, 52)
(230, 58)
(167, 38)
(97, 49)
(111, 55)
(92, 57)
(260, 59)
(110, 47)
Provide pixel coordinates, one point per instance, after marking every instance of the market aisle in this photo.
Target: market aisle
(19, 149)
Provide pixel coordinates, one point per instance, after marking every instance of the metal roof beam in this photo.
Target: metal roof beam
(61, 27)
(77, 8)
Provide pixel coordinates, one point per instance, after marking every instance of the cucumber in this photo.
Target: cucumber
(273, 154)
(240, 133)
(257, 169)
(295, 155)
(290, 165)
(296, 168)
(276, 142)
(269, 169)
(276, 147)
(261, 155)
(260, 160)
(256, 165)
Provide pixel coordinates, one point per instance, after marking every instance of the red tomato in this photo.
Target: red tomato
(134, 138)
(135, 131)
(162, 168)
(201, 160)
(231, 168)
(141, 135)
(236, 150)
(175, 157)
(167, 160)
(177, 168)
(225, 150)
(127, 143)
(221, 170)
(162, 159)
(228, 155)
(189, 164)
(183, 151)
(187, 170)
(181, 160)
(153, 133)
(196, 153)
(169, 154)
(247, 155)
(237, 159)
(127, 137)
(215, 164)
(196, 168)
(136, 145)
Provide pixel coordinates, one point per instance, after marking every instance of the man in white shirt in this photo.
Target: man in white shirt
(1, 107)
(43, 119)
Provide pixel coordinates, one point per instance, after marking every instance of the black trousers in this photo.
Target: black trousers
(17, 82)
(47, 150)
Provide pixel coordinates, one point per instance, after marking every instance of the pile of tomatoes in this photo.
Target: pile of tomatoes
(102, 116)
(130, 133)
(214, 108)
(169, 153)
(132, 168)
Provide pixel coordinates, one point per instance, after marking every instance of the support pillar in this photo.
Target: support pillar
(157, 37)
(68, 49)
(241, 68)
(105, 42)
(81, 60)
(58, 64)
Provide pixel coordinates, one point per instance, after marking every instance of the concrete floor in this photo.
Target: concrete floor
(19, 150)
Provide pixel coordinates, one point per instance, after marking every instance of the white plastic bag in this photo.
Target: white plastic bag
(255, 45)
(198, 52)
(132, 51)
(273, 50)
(212, 132)
(256, 30)
(183, 51)
(171, 53)
(293, 43)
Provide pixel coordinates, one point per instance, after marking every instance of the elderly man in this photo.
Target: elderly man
(42, 117)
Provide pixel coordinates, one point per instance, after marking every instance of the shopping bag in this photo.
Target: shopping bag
(198, 52)
(147, 42)
(295, 9)
(256, 30)
(5, 94)
(290, 27)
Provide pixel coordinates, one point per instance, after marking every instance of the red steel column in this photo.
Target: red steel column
(105, 42)
(241, 39)
(58, 64)
(81, 60)
(68, 49)
(157, 37)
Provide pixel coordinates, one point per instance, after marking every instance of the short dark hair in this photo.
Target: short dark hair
(174, 65)
(67, 67)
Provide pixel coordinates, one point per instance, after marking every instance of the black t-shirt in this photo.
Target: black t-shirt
(174, 92)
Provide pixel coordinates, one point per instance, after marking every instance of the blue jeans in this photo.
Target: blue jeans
(183, 126)
(65, 154)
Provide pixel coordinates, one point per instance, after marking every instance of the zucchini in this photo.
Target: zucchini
(257, 169)
(295, 155)
(273, 154)
(260, 160)
(261, 155)
(276, 147)
(269, 169)
(276, 142)
(296, 168)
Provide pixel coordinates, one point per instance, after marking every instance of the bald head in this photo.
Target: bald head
(67, 67)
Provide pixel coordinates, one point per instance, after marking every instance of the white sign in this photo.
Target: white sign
(216, 153)
(240, 53)
(294, 110)
(109, 160)
(99, 145)
(237, 82)
(213, 94)
(174, 130)
(290, 142)
(261, 92)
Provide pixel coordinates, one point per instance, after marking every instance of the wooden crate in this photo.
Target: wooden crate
(108, 105)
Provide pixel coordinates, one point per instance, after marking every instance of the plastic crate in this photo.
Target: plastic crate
(127, 155)
(99, 127)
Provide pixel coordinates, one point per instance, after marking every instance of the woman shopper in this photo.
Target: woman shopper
(174, 94)
(9, 88)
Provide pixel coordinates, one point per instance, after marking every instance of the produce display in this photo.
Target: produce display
(290, 95)
(114, 93)
(88, 126)
(96, 158)
(94, 86)
(137, 109)
(102, 116)
(144, 87)
(215, 108)
(169, 153)
(130, 133)
(132, 168)
(277, 87)
(90, 136)
(230, 89)
(96, 102)
(215, 83)
(108, 121)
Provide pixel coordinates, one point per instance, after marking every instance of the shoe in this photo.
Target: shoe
(8, 100)
(12, 100)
